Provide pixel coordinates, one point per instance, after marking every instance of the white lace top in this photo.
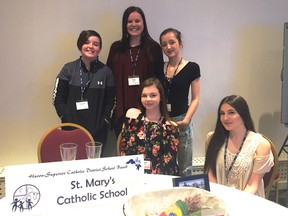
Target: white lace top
(246, 163)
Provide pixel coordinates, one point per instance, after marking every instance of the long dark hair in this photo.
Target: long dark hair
(146, 39)
(220, 133)
(163, 107)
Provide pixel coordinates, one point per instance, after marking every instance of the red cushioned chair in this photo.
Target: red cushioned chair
(273, 176)
(48, 147)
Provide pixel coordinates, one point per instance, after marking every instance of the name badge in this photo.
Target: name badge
(147, 164)
(133, 80)
(168, 107)
(82, 105)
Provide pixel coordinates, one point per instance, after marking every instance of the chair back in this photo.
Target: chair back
(270, 176)
(48, 147)
(118, 143)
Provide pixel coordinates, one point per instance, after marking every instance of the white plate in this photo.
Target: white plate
(154, 203)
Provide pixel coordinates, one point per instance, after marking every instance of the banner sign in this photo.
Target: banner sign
(44, 188)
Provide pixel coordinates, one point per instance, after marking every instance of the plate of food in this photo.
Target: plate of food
(178, 201)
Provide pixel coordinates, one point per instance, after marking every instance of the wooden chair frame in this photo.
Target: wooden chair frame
(118, 144)
(59, 126)
(275, 170)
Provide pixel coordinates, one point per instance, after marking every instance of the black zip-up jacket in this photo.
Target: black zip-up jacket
(99, 92)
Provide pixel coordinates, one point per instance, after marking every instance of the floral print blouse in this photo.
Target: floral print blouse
(160, 145)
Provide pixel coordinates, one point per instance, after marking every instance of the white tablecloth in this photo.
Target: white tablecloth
(238, 202)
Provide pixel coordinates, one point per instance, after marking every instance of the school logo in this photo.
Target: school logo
(136, 162)
(26, 197)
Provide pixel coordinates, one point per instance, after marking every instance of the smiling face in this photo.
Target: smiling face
(135, 24)
(230, 118)
(170, 45)
(91, 48)
(150, 98)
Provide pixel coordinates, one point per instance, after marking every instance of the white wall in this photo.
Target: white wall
(238, 45)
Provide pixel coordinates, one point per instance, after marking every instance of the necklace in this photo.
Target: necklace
(234, 159)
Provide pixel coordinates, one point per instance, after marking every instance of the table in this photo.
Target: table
(243, 203)
(238, 202)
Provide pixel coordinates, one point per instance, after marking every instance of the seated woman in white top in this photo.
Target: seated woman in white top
(236, 155)
(150, 132)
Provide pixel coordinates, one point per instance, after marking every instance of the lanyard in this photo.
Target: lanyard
(84, 87)
(234, 159)
(147, 140)
(168, 81)
(134, 61)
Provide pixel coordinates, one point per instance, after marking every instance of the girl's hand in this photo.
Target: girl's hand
(182, 124)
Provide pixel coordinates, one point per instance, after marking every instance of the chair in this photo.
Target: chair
(118, 143)
(48, 147)
(273, 176)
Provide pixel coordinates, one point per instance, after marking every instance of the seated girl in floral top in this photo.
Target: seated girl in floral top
(150, 132)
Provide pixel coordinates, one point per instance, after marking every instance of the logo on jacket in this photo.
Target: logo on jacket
(100, 83)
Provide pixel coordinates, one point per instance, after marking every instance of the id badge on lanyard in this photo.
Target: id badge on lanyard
(168, 107)
(133, 80)
(147, 164)
(82, 105)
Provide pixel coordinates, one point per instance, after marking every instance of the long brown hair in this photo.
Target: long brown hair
(163, 107)
(146, 39)
(220, 133)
